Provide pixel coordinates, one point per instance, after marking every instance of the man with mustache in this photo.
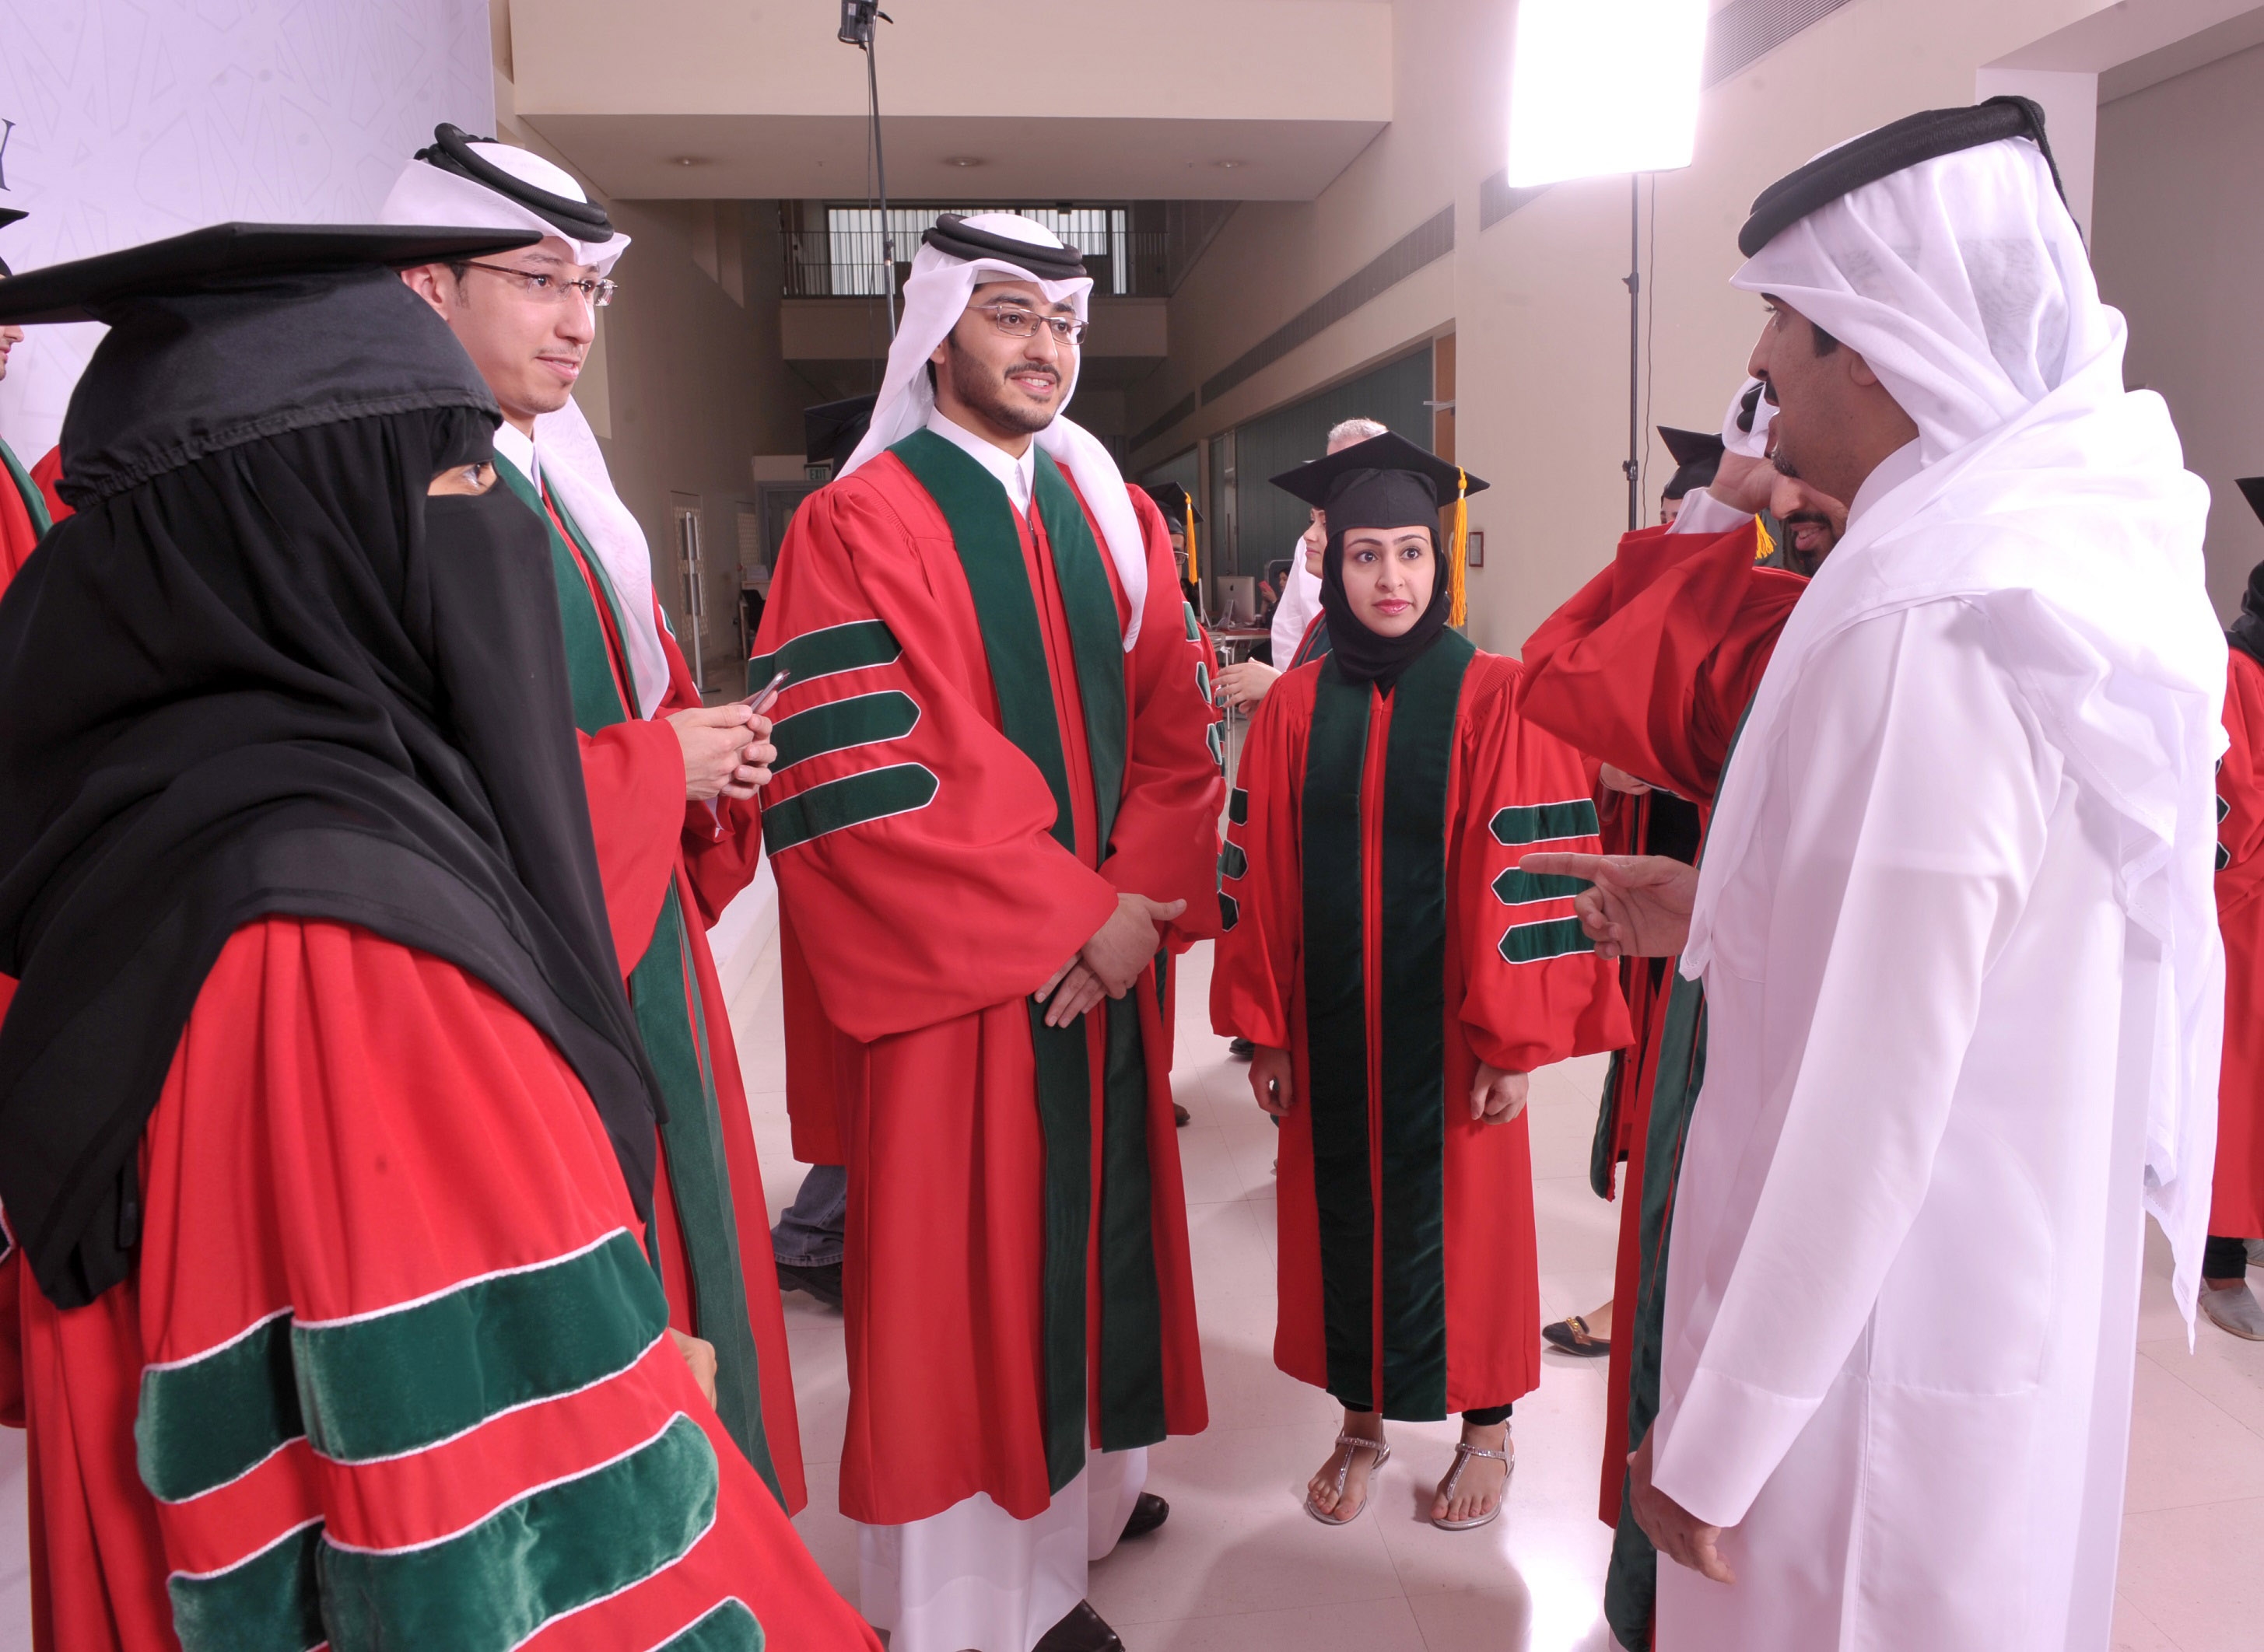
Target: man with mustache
(1964, 991)
(670, 782)
(995, 805)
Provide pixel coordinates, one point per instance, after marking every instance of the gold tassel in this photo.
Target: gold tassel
(1194, 573)
(1458, 603)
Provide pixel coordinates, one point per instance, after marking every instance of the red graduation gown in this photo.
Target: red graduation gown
(1435, 1306)
(649, 838)
(918, 873)
(28, 505)
(2237, 1209)
(1650, 668)
(362, 1163)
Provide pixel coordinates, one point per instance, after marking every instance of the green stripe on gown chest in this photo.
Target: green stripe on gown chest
(1128, 1385)
(1396, 1195)
(665, 991)
(35, 503)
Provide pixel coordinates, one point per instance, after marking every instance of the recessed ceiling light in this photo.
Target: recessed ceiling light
(964, 162)
(1228, 166)
(690, 160)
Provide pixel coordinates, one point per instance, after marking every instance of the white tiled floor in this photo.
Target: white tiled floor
(1240, 1569)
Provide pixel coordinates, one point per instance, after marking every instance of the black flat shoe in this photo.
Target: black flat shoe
(1147, 1514)
(1181, 1115)
(1083, 1630)
(1240, 1049)
(822, 1282)
(1572, 1336)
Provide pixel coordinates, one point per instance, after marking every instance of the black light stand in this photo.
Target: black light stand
(1634, 465)
(857, 18)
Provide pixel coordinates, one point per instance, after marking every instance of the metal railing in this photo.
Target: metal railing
(834, 251)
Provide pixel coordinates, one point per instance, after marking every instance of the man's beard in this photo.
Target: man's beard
(994, 399)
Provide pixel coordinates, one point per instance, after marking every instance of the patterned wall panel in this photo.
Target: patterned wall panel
(131, 120)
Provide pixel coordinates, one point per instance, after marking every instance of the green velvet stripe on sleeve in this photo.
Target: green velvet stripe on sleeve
(1550, 938)
(842, 725)
(1514, 888)
(1545, 822)
(203, 1422)
(854, 646)
(727, 1627)
(388, 1384)
(489, 1586)
(851, 801)
(271, 1602)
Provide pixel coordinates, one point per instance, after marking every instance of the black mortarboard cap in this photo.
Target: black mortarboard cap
(2252, 488)
(1174, 501)
(831, 430)
(232, 258)
(239, 332)
(1385, 481)
(451, 151)
(1900, 144)
(9, 216)
(1697, 455)
(954, 236)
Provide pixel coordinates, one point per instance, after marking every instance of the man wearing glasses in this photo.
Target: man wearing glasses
(995, 805)
(671, 783)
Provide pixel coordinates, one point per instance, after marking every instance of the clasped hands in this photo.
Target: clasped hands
(727, 750)
(1109, 964)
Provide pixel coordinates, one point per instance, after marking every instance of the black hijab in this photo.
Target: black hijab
(2247, 631)
(1363, 655)
(278, 678)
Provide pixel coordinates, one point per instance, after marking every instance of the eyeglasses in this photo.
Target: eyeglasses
(534, 284)
(1019, 321)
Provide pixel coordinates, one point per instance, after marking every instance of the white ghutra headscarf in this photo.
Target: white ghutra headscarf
(2057, 503)
(936, 296)
(564, 453)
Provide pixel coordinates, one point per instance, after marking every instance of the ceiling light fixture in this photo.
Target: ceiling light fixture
(691, 160)
(964, 162)
(1228, 166)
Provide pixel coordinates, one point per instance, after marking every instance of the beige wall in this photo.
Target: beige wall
(695, 388)
(687, 383)
(2179, 244)
(1535, 302)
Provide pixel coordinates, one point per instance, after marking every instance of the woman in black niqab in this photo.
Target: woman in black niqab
(279, 679)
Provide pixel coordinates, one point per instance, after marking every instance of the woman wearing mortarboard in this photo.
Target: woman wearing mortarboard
(1401, 980)
(327, 1137)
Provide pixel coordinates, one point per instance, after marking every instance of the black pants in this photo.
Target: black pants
(1484, 1417)
(2225, 1258)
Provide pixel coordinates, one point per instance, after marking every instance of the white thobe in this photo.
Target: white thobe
(974, 1576)
(1902, 1294)
(1300, 601)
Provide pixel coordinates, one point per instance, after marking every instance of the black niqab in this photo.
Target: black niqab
(279, 679)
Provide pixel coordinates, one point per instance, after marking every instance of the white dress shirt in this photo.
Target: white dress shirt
(1018, 476)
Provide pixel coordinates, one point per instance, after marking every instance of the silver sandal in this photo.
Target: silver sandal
(1349, 1444)
(1463, 1452)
